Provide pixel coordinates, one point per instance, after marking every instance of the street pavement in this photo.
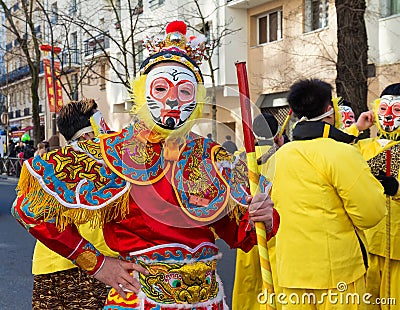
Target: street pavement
(16, 248)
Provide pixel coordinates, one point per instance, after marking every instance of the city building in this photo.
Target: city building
(101, 50)
(294, 39)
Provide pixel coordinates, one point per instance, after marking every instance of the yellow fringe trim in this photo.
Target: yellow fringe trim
(48, 208)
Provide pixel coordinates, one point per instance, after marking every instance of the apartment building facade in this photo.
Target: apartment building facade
(281, 40)
(15, 74)
(294, 39)
(101, 51)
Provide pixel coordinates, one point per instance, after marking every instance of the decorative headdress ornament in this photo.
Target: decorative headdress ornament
(176, 47)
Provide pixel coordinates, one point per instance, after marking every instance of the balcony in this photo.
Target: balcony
(155, 3)
(18, 74)
(245, 4)
(97, 44)
(70, 58)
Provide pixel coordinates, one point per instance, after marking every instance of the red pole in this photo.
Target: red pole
(245, 107)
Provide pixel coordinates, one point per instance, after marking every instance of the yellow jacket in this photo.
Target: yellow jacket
(46, 261)
(376, 236)
(325, 195)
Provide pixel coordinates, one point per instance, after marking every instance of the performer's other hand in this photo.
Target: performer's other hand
(279, 140)
(389, 183)
(365, 120)
(261, 209)
(116, 273)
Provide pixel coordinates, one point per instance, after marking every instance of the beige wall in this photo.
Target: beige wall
(385, 75)
(274, 66)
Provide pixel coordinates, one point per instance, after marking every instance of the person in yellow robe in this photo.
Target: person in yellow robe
(319, 185)
(248, 282)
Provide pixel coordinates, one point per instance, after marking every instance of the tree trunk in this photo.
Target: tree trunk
(214, 112)
(351, 79)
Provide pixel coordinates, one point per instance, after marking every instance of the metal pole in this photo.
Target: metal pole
(54, 82)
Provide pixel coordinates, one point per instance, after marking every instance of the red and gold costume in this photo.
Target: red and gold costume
(161, 193)
(159, 227)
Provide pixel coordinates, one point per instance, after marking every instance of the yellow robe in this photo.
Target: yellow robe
(337, 256)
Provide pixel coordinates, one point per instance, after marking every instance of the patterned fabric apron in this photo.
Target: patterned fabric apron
(179, 278)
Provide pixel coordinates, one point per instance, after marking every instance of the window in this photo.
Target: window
(54, 13)
(102, 84)
(74, 40)
(155, 3)
(206, 30)
(138, 9)
(74, 53)
(102, 24)
(269, 27)
(316, 14)
(390, 7)
(138, 54)
(74, 87)
(118, 8)
(72, 8)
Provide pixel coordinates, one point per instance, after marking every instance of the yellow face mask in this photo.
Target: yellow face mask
(387, 116)
(141, 109)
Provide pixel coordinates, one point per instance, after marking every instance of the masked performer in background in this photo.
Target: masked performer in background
(161, 193)
(57, 282)
(383, 156)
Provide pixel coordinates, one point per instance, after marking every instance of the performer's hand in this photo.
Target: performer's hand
(116, 273)
(279, 140)
(365, 120)
(389, 183)
(260, 209)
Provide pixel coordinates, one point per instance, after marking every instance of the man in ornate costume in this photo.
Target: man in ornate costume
(161, 193)
(319, 186)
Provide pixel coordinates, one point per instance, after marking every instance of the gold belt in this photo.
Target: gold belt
(182, 283)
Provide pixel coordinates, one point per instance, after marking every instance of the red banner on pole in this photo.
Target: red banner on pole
(54, 99)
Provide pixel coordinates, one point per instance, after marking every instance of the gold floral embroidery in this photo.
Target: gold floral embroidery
(180, 283)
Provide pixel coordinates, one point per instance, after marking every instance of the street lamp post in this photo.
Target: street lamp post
(5, 121)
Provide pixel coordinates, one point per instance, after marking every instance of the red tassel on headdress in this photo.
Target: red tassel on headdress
(176, 26)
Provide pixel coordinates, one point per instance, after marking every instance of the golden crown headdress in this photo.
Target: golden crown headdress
(175, 46)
